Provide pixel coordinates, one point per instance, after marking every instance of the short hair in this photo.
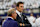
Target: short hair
(10, 11)
(17, 5)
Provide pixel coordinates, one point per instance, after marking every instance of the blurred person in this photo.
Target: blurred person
(1, 20)
(37, 16)
(20, 17)
(37, 22)
(14, 5)
(10, 22)
(32, 20)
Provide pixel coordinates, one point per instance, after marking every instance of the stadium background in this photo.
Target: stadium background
(29, 5)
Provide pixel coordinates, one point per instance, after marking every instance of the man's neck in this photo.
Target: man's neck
(11, 17)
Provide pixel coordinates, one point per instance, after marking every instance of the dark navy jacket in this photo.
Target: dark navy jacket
(9, 23)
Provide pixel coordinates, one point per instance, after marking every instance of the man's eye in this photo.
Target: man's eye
(21, 6)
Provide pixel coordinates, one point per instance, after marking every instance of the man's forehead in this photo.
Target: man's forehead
(21, 4)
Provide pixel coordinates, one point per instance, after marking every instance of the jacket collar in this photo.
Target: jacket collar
(10, 18)
(19, 13)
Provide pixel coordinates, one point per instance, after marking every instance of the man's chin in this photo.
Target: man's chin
(14, 18)
(21, 11)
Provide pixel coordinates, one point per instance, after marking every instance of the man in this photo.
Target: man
(10, 22)
(32, 20)
(37, 22)
(20, 17)
(1, 20)
(38, 16)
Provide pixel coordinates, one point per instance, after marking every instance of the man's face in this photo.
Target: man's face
(31, 14)
(14, 15)
(21, 7)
